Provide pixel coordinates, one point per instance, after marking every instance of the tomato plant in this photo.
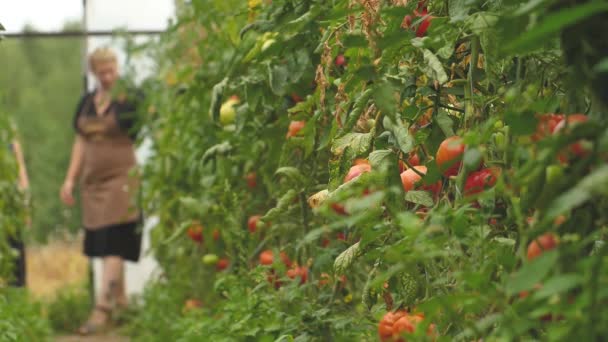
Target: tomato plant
(427, 143)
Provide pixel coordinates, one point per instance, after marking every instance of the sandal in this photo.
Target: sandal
(90, 328)
(120, 314)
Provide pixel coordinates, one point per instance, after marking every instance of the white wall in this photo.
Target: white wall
(134, 15)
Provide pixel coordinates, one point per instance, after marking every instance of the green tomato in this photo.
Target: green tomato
(498, 125)
(499, 140)
(553, 174)
(227, 113)
(267, 44)
(210, 259)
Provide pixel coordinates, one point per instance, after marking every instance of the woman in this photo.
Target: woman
(102, 158)
(16, 242)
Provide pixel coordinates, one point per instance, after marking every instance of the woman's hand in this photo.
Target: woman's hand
(66, 193)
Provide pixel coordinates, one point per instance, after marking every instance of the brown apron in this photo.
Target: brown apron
(107, 185)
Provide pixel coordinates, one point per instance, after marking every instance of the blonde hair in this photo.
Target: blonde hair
(101, 55)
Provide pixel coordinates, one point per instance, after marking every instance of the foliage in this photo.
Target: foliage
(43, 113)
(12, 213)
(68, 309)
(21, 318)
(371, 84)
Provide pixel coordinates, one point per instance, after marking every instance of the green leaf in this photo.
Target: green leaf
(400, 133)
(359, 143)
(216, 99)
(293, 174)
(277, 78)
(472, 159)
(596, 183)
(384, 97)
(434, 68)
(459, 10)
(521, 123)
(531, 273)
(346, 259)
(558, 284)
(419, 197)
(355, 40)
(445, 123)
(380, 159)
(552, 24)
(602, 66)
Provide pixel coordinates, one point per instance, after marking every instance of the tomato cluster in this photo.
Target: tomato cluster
(394, 325)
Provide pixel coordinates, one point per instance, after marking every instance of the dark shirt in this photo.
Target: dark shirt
(125, 112)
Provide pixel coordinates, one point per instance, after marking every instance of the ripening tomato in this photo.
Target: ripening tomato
(480, 180)
(251, 179)
(285, 258)
(413, 160)
(356, 170)
(339, 209)
(195, 232)
(294, 128)
(545, 242)
(252, 223)
(409, 179)
(296, 98)
(386, 324)
(222, 264)
(266, 257)
(340, 60)
(449, 155)
(216, 234)
(298, 271)
(424, 26)
(576, 149)
(546, 125)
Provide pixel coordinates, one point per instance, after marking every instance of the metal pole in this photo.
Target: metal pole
(79, 34)
(85, 85)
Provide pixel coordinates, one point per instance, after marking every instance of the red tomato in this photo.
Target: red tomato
(341, 236)
(222, 264)
(251, 179)
(340, 60)
(386, 325)
(266, 257)
(356, 171)
(423, 27)
(252, 223)
(576, 149)
(409, 179)
(414, 160)
(449, 155)
(195, 232)
(294, 128)
(296, 98)
(285, 259)
(546, 125)
(298, 271)
(339, 209)
(478, 181)
(407, 22)
(545, 242)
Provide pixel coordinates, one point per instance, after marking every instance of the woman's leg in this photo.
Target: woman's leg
(120, 294)
(110, 281)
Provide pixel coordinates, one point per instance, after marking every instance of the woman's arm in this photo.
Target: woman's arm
(73, 171)
(24, 182)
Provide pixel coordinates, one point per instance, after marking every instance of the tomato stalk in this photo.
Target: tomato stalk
(469, 106)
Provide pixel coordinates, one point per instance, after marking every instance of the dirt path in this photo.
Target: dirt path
(109, 337)
(54, 266)
(57, 265)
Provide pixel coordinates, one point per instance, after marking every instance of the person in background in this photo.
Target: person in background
(16, 242)
(103, 156)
